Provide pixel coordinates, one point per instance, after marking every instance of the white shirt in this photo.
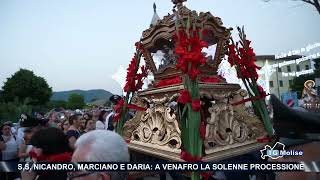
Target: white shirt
(20, 132)
(11, 150)
(100, 125)
(107, 119)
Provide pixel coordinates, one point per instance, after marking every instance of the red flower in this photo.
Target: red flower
(184, 97)
(116, 117)
(180, 50)
(261, 91)
(203, 44)
(193, 73)
(189, 55)
(196, 105)
(134, 80)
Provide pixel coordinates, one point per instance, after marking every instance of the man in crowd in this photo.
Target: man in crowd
(9, 148)
(29, 125)
(109, 119)
(92, 147)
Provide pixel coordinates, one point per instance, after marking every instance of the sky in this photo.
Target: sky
(81, 44)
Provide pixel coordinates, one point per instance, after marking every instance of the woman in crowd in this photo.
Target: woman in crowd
(65, 126)
(82, 125)
(89, 126)
(9, 148)
(49, 145)
(59, 126)
(73, 132)
(100, 124)
(87, 116)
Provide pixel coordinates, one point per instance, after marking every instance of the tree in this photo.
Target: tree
(11, 111)
(107, 104)
(58, 104)
(76, 101)
(24, 85)
(315, 3)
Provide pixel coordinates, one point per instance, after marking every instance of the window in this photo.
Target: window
(298, 68)
(288, 68)
(307, 66)
(279, 69)
(290, 82)
(280, 83)
(271, 83)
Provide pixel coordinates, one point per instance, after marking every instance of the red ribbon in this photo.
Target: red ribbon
(255, 98)
(206, 175)
(264, 140)
(189, 158)
(135, 107)
(118, 109)
(168, 82)
(210, 80)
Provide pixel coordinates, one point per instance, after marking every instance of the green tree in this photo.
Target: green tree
(23, 85)
(75, 101)
(11, 111)
(108, 104)
(57, 104)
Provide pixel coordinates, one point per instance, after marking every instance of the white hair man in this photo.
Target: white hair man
(100, 146)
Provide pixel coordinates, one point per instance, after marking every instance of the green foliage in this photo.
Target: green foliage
(75, 101)
(57, 104)
(107, 104)
(24, 84)
(11, 111)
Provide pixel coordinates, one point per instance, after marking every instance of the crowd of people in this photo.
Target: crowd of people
(63, 136)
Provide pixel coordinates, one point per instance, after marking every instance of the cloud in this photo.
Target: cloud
(120, 76)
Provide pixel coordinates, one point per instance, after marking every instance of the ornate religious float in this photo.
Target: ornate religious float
(188, 112)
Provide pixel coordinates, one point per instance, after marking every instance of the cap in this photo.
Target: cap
(28, 121)
(115, 99)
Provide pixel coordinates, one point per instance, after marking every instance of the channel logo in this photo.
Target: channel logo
(278, 151)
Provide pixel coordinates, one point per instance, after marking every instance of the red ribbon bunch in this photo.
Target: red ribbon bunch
(189, 51)
(185, 98)
(119, 107)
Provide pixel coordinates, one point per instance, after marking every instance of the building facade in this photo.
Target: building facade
(276, 75)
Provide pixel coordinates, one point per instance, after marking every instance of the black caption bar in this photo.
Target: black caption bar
(169, 166)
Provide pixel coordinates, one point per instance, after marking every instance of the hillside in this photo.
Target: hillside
(89, 95)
